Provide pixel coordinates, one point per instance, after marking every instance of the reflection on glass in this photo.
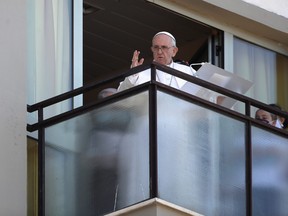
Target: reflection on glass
(198, 154)
(270, 174)
(99, 160)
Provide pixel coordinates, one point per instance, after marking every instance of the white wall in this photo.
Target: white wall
(279, 7)
(13, 108)
(240, 18)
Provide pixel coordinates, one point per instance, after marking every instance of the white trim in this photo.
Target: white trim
(228, 52)
(77, 50)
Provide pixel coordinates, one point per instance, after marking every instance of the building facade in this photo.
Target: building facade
(246, 25)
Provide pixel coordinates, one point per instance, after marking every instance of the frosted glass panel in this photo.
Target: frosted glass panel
(99, 160)
(270, 173)
(199, 152)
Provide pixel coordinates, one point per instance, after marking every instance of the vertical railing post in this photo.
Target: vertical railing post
(248, 161)
(153, 135)
(41, 165)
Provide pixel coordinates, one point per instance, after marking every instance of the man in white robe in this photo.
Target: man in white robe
(134, 150)
(164, 49)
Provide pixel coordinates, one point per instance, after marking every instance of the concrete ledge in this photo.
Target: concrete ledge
(154, 207)
(245, 20)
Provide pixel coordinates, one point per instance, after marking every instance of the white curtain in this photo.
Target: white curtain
(49, 57)
(258, 65)
(50, 51)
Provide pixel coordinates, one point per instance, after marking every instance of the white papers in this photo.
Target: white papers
(220, 77)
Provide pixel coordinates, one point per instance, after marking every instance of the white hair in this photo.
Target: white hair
(106, 92)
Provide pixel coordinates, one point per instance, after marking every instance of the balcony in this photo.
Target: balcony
(156, 144)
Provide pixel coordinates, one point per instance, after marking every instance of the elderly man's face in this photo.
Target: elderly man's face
(264, 116)
(163, 49)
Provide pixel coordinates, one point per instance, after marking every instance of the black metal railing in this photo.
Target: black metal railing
(152, 86)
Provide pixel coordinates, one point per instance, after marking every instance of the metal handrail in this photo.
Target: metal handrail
(151, 86)
(249, 102)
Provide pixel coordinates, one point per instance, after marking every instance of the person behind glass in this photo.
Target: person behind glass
(269, 118)
(106, 92)
(164, 50)
(264, 116)
(281, 122)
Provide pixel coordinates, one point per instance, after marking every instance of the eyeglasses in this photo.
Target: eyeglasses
(162, 48)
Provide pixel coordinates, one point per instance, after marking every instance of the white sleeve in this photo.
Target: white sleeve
(128, 82)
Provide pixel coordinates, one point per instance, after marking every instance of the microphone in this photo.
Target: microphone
(199, 63)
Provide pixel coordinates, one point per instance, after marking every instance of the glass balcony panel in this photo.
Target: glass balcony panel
(98, 162)
(201, 158)
(270, 173)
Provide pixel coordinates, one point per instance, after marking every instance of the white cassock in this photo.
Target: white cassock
(162, 77)
(133, 157)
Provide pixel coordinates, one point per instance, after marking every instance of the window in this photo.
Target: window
(267, 69)
(113, 30)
